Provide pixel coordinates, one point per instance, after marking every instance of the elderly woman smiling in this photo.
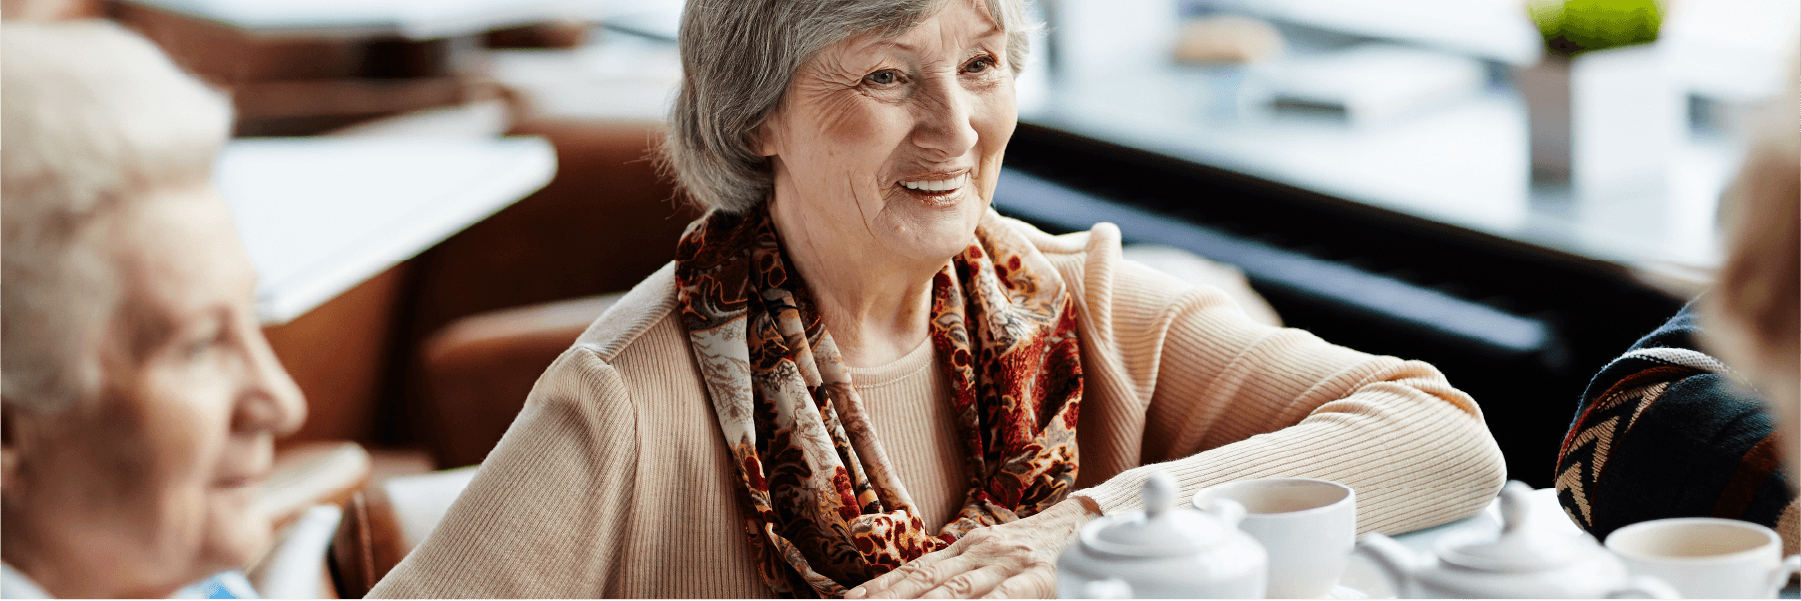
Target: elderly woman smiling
(858, 380)
(140, 397)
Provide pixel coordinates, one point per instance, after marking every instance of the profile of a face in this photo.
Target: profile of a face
(150, 484)
(890, 147)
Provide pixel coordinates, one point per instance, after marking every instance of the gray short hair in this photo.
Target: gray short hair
(737, 59)
(95, 117)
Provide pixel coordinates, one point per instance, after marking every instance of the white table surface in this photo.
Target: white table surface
(320, 215)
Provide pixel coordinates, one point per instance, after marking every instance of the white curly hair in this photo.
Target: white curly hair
(94, 116)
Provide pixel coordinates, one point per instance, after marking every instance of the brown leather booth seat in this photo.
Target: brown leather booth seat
(479, 369)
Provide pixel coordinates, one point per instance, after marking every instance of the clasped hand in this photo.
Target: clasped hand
(1017, 560)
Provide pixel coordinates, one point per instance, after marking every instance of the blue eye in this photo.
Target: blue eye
(882, 78)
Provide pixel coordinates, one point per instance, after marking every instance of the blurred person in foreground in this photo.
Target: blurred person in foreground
(1754, 313)
(857, 379)
(140, 400)
(1698, 418)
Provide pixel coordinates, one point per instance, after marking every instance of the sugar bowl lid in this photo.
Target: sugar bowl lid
(1520, 546)
(1162, 529)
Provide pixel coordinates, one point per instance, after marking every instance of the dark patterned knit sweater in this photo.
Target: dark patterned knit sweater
(1663, 432)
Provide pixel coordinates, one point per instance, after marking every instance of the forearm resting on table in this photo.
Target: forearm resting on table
(1415, 457)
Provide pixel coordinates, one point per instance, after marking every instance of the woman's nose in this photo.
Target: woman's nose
(944, 125)
(273, 401)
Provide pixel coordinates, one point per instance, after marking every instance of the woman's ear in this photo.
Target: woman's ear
(766, 139)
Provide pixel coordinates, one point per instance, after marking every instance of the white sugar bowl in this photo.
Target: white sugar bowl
(1165, 551)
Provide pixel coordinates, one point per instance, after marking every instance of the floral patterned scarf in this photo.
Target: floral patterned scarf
(826, 509)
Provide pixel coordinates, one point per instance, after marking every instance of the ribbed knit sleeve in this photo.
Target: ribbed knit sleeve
(1213, 396)
(549, 500)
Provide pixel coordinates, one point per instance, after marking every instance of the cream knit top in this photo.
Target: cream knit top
(614, 480)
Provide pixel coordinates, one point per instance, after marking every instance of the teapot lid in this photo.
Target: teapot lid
(1519, 547)
(1161, 530)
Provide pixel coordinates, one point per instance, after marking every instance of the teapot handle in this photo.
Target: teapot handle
(1644, 587)
(1226, 510)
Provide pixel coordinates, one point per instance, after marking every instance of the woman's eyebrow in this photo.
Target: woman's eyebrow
(879, 45)
(993, 31)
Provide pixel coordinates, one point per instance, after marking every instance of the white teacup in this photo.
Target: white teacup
(1308, 526)
(1707, 558)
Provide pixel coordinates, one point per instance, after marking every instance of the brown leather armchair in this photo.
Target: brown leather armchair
(384, 521)
(366, 545)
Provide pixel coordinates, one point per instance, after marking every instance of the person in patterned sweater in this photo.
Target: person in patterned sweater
(1664, 431)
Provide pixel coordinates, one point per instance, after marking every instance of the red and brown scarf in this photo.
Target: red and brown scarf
(826, 510)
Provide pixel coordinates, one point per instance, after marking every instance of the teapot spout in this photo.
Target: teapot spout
(1396, 562)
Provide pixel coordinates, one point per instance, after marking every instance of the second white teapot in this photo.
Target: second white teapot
(1521, 562)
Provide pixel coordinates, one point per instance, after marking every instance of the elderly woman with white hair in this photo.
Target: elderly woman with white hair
(140, 398)
(856, 379)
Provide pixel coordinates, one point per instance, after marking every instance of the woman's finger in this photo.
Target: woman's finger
(970, 584)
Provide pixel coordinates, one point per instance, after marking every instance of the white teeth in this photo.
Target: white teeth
(938, 185)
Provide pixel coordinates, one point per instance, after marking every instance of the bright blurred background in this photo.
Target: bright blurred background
(441, 194)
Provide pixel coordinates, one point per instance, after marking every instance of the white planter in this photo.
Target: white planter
(1602, 122)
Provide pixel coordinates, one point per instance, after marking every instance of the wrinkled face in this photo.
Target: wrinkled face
(890, 147)
(151, 485)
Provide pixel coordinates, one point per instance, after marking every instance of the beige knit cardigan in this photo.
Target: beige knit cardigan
(614, 482)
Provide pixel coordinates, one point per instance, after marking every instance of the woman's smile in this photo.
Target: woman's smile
(936, 189)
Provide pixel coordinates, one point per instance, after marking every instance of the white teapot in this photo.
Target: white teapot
(1521, 562)
(1165, 551)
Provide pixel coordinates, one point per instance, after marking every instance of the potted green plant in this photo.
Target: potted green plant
(1571, 27)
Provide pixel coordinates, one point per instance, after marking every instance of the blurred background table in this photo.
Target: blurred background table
(320, 215)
